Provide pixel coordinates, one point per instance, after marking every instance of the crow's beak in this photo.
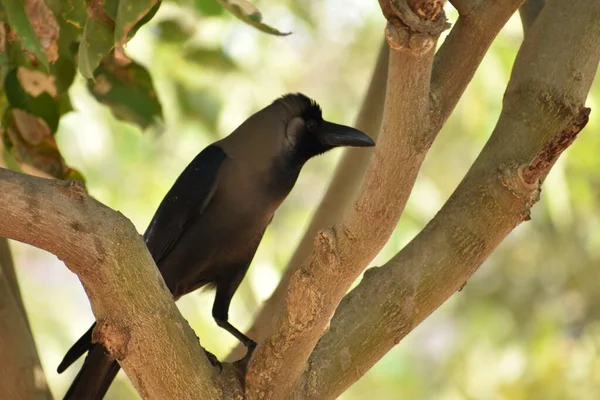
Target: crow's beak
(335, 135)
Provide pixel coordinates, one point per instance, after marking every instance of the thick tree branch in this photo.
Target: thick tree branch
(138, 321)
(22, 376)
(529, 12)
(466, 7)
(462, 51)
(351, 169)
(543, 112)
(342, 252)
(391, 175)
(457, 60)
(340, 195)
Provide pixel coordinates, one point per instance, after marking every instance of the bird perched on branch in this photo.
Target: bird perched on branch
(209, 225)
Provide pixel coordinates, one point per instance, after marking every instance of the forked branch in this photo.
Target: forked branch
(142, 326)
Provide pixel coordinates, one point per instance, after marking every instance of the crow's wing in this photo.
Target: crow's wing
(187, 199)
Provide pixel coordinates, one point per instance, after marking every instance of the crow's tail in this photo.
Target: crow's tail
(94, 378)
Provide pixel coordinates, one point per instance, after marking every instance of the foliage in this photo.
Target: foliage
(44, 43)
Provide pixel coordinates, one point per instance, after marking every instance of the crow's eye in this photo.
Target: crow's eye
(311, 125)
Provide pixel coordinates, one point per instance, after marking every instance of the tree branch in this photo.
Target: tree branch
(342, 191)
(543, 112)
(7, 266)
(462, 51)
(23, 377)
(342, 252)
(138, 321)
(529, 12)
(466, 7)
(458, 59)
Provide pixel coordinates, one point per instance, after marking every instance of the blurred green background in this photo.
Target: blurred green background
(526, 326)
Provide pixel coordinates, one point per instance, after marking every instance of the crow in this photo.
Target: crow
(206, 230)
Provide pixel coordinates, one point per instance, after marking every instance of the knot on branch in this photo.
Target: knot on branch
(427, 9)
(325, 245)
(511, 177)
(113, 337)
(413, 24)
(547, 156)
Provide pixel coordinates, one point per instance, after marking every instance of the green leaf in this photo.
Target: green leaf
(10, 160)
(27, 140)
(246, 12)
(131, 15)
(96, 43)
(209, 8)
(211, 58)
(128, 91)
(41, 104)
(64, 70)
(74, 12)
(112, 8)
(174, 31)
(64, 104)
(19, 23)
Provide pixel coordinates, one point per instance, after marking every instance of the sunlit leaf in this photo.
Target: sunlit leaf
(74, 12)
(131, 15)
(20, 24)
(96, 43)
(128, 90)
(209, 8)
(246, 12)
(28, 140)
(26, 90)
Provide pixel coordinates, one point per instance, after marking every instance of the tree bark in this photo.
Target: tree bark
(343, 251)
(414, 112)
(22, 376)
(543, 112)
(138, 321)
(529, 12)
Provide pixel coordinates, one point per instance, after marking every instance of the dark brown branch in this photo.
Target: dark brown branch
(544, 104)
(142, 327)
(22, 377)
